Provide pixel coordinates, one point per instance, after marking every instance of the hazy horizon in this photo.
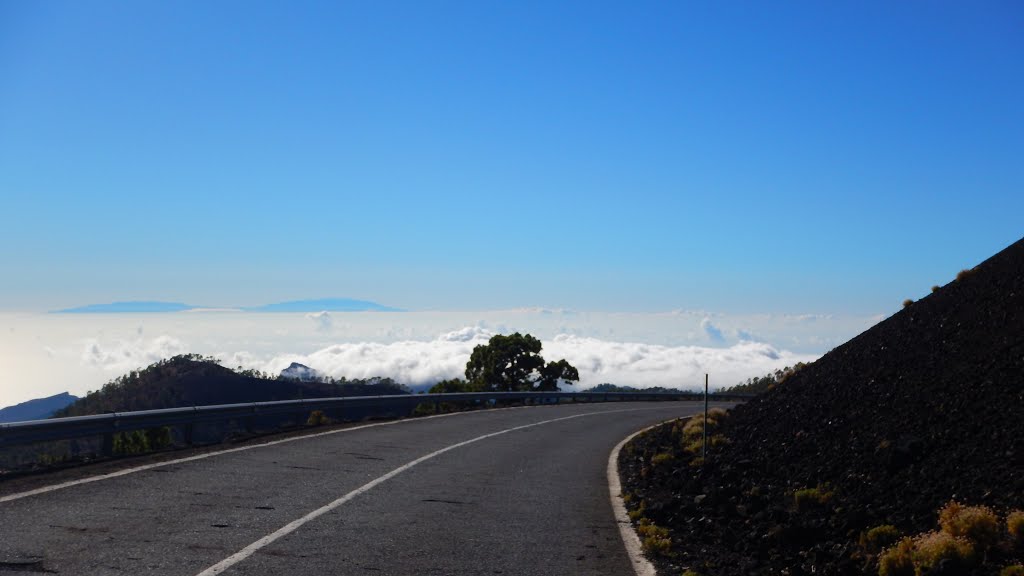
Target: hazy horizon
(52, 353)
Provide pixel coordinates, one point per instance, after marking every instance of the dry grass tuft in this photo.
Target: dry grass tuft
(654, 538)
(808, 498)
(662, 458)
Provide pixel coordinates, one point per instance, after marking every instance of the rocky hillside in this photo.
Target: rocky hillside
(923, 408)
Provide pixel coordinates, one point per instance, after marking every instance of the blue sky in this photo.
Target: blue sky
(807, 157)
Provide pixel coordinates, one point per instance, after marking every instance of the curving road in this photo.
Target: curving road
(519, 491)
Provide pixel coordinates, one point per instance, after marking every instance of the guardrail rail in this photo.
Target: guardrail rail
(245, 416)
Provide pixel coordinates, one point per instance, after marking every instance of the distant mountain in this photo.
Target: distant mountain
(300, 372)
(193, 380)
(324, 305)
(127, 307)
(38, 409)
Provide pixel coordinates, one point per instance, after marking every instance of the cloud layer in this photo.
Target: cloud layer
(41, 355)
(421, 363)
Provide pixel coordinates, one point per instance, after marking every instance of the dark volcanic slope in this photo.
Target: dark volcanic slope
(924, 407)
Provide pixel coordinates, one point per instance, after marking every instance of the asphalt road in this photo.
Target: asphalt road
(518, 491)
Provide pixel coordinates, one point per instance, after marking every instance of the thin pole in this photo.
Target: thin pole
(704, 447)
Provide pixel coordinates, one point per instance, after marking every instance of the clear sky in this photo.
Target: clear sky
(777, 157)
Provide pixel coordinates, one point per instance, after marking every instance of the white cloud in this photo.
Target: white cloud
(642, 365)
(322, 320)
(746, 335)
(713, 332)
(411, 362)
(125, 355)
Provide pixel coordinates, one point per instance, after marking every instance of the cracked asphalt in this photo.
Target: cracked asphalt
(532, 501)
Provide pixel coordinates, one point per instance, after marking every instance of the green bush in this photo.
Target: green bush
(1016, 570)
(158, 438)
(140, 441)
(879, 538)
(425, 409)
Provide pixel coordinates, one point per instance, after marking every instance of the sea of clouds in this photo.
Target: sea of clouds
(44, 354)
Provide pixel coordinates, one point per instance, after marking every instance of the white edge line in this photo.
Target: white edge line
(125, 472)
(296, 524)
(641, 565)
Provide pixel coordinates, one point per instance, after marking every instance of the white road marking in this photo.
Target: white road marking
(125, 472)
(641, 565)
(296, 524)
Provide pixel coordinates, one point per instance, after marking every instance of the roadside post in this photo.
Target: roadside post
(704, 446)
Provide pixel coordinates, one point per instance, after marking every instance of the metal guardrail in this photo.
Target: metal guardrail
(106, 425)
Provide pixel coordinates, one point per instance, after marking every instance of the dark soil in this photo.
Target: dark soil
(925, 407)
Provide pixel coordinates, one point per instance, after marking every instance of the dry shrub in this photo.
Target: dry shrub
(693, 431)
(1016, 570)
(907, 302)
(1015, 526)
(897, 560)
(935, 289)
(978, 524)
(964, 273)
(317, 418)
(717, 440)
(932, 548)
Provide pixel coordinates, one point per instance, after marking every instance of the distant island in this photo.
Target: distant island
(295, 306)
